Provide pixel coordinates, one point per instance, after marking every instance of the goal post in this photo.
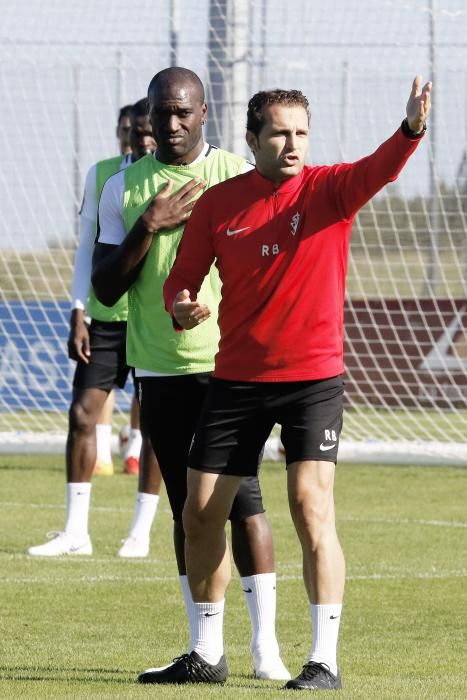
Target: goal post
(406, 304)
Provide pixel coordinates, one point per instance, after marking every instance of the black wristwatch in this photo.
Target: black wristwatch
(407, 131)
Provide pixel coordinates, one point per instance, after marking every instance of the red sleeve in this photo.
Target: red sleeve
(195, 255)
(356, 183)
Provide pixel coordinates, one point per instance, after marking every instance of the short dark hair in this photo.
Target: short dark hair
(175, 75)
(124, 112)
(139, 109)
(289, 98)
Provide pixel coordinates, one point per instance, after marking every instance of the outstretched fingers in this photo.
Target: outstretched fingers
(425, 102)
(190, 190)
(419, 104)
(416, 86)
(187, 196)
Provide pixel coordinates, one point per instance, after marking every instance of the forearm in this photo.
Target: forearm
(77, 317)
(81, 282)
(188, 272)
(360, 181)
(115, 268)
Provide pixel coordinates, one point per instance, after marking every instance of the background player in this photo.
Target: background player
(101, 364)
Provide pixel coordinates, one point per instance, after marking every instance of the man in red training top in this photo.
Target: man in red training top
(280, 236)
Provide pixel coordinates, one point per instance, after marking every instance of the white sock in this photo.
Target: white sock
(325, 620)
(208, 638)
(103, 438)
(260, 596)
(134, 444)
(145, 511)
(190, 610)
(78, 497)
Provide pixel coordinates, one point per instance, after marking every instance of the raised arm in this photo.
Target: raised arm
(118, 257)
(354, 184)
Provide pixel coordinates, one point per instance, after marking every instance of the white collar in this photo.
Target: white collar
(202, 156)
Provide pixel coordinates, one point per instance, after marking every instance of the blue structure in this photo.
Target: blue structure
(35, 372)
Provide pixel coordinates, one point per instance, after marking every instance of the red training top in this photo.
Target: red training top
(282, 257)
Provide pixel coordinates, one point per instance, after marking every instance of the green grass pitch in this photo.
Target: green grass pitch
(84, 627)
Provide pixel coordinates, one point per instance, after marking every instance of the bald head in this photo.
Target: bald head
(177, 111)
(175, 78)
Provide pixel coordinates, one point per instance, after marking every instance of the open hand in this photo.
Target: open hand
(187, 313)
(78, 338)
(418, 105)
(168, 210)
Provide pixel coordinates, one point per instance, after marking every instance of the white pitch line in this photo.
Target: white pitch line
(344, 518)
(405, 521)
(51, 506)
(87, 579)
(456, 573)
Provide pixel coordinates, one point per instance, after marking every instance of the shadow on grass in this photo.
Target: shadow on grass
(116, 675)
(27, 468)
(49, 673)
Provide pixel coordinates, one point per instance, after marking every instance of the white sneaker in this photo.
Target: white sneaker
(269, 667)
(61, 543)
(133, 548)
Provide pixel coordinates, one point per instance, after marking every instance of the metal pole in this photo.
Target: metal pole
(121, 78)
(237, 88)
(174, 31)
(264, 19)
(346, 96)
(217, 66)
(76, 146)
(434, 218)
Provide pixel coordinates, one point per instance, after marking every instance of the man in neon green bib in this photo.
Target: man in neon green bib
(81, 291)
(99, 350)
(142, 213)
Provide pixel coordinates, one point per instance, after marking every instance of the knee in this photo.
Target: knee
(200, 523)
(193, 521)
(80, 420)
(253, 526)
(313, 518)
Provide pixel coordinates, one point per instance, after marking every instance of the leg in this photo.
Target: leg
(311, 501)
(235, 438)
(85, 408)
(92, 384)
(105, 416)
(104, 465)
(136, 544)
(133, 449)
(84, 411)
(134, 413)
(80, 460)
(253, 553)
(150, 477)
(160, 412)
(205, 514)
(252, 545)
(207, 507)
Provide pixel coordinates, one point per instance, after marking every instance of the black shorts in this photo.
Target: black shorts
(239, 416)
(107, 365)
(170, 410)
